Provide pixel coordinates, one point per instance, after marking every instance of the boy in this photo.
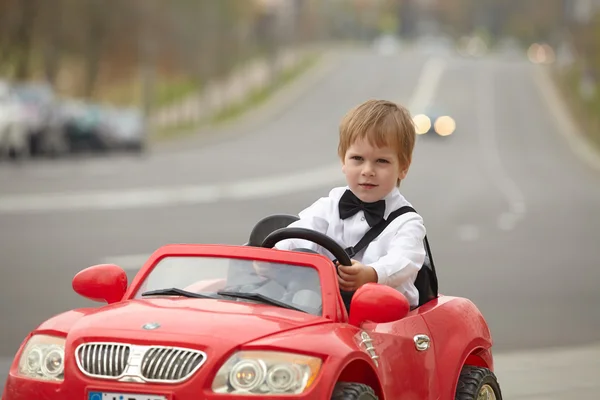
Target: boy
(376, 141)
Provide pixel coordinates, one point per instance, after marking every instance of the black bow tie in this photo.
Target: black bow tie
(350, 205)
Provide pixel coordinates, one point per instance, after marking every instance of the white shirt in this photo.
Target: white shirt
(397, 254)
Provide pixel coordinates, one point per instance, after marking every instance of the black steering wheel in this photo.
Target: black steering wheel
(308, 234)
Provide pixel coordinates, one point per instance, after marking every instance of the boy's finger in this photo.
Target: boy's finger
(346, 277)
(344, 285)
(351, 270)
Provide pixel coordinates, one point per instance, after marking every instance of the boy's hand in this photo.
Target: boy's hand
(354, 276)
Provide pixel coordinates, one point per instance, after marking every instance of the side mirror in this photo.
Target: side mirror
(377, 303)
(104, 282)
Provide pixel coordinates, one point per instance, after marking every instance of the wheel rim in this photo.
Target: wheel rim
(486, 393)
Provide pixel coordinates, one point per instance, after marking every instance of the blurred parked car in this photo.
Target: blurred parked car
(95, 127)
(14, 140)
(127, 129)
(84, 126)
(44, 124)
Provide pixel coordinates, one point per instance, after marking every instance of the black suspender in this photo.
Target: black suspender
(376, 231)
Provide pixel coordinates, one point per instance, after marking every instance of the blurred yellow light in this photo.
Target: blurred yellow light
(444, 126)
(549, 54)
(422, 123)
(541, 53)
(533, 52)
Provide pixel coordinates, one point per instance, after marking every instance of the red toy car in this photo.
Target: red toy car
(251, 322)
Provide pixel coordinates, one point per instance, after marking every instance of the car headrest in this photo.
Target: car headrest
(267, 225)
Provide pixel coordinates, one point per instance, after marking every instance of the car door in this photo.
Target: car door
(405, 357)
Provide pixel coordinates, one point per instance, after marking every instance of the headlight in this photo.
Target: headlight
(444, 126)
(266, 373)
(43, 358)
(422, 124)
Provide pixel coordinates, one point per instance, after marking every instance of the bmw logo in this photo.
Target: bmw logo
(151, 325)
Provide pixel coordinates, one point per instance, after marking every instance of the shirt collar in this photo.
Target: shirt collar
(392, 201)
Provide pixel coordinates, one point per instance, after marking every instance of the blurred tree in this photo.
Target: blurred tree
(20, 36)
(52, 37)
(458, 16)
(407, 11)
(87, 46)
(388, 17)
(97, 29)
(594, 47)
(528, 20)
(586, 39)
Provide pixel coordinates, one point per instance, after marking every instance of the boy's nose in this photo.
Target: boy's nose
(368, 170)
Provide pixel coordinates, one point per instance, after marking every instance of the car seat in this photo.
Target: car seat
(426, 281)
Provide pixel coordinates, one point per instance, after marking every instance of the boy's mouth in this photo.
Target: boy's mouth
(367, 185)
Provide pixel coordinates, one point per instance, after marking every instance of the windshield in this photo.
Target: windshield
(293, 285)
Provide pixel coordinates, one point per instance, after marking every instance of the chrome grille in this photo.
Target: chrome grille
(103, 359)
(170, 364)
(131, 363)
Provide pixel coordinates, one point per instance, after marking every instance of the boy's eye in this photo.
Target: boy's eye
(358, 158)
(381, 160)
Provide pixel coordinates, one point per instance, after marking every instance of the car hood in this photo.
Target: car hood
(186, 321)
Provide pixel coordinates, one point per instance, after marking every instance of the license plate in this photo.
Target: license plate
(123, 396)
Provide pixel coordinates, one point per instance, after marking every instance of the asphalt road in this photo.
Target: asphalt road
(512, 214)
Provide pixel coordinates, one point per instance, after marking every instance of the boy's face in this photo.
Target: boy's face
(371, 172)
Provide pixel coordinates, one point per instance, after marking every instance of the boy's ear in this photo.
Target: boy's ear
(403, 173)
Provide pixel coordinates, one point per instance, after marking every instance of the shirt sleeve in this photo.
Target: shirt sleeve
(405, 254)
(314, 217)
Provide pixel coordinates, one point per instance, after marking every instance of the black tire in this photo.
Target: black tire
(353, 391)
(472, 380)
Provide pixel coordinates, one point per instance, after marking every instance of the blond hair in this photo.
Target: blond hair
(382, 123)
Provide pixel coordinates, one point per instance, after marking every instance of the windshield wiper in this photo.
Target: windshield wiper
(259, 297)
(179, 292)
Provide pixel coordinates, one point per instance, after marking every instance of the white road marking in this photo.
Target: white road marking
(210, 193)
(170, 196)
(567, 126)
(427, 85)
(489, 148)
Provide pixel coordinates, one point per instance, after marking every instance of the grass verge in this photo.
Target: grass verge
(236, 110)
(586, 112)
